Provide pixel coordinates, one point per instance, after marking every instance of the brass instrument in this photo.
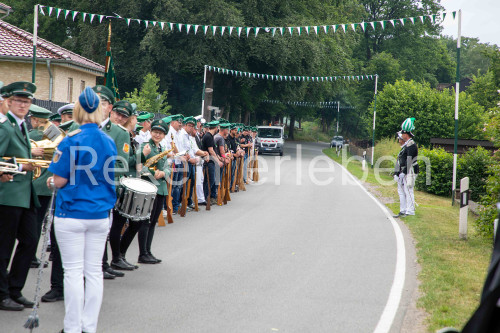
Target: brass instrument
(38, 164)
(52, 138)
(10, 168)
(153, 160)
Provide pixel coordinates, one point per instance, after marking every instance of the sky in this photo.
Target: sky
(480, 18)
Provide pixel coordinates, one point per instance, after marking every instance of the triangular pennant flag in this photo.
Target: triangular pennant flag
(162, 25)
(205, 28)
(335, 78)
(179, 26)
(222, 29)
(154, 23)
(433, 17)
(138, 21)
(444, 16)
(373, 25)
(256, 31)
(354, 26)
(41, 9)
(59, 10)
(422, 18)
(299, 30)
(84, 15)
(188, 27)
(290, 29)
(363, 26)
(325, 28)
(307, 29)
(239, 31)
(230, 30)
(128, 22)
(66, 12)
(274, 31)
(146, 23)
(210, 68)
(74, 14)
(412, 19)
(335, 27)
(383, 23)
(92, 17)
(214, 29)
(196, 28)
(100, 18)
(393, 22)
(171, 26)
(454, 14)
(50, 10)
(253, 75)
(248, 29)
(315, 29)
(344, 26)
(281, 30)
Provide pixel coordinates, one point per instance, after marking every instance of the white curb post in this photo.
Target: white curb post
(464, 208)
(363, 163)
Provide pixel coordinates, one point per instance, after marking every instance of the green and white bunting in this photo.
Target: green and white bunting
(320, 105)
(291, 78)
(250, 31)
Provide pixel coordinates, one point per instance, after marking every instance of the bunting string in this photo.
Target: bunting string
(321, 105)
(221, 30)
(290, 78)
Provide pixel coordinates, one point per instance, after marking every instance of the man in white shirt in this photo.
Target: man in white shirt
(144, 119)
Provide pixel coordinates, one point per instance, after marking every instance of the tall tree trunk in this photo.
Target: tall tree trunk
(292, 126)
(300, 122)
(208, 96)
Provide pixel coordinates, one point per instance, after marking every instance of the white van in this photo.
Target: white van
(270, 139)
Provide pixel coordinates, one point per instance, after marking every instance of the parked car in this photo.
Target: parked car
(270, 139)
(337, 141)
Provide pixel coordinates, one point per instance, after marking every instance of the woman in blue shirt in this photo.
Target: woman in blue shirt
(83, 171)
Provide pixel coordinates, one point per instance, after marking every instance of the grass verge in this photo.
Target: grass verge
(452, 270)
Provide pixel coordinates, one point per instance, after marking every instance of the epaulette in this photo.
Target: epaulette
(73, 133)
(3, 120)
(123, 128)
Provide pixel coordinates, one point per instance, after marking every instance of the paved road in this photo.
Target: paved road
(293, 257)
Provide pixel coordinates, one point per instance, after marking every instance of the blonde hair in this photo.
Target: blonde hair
(81, 116)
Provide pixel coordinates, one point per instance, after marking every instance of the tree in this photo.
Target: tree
(433, 110)
(148, 98)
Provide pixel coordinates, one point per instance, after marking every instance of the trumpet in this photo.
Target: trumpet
(10, 168)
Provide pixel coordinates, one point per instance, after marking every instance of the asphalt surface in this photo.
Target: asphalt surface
(287, 255)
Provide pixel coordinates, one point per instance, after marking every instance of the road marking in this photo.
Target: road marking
(391, 307)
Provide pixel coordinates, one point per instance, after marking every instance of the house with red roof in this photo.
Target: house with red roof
(61, 75)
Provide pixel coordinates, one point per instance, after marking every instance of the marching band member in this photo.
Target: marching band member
(209, 146)
(66, 113)
(3, 101)
(149, 149)
(18, 200)
(55, 119)
(86, 195)
(174, 129)
(144, 119)
(197, 135)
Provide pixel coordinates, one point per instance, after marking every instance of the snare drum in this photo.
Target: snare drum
(135, 198)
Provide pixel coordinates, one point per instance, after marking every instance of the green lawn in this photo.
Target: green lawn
(453, 271)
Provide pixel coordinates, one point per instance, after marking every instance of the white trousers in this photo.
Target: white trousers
(81, 243)
(406, 196)
(199, 184)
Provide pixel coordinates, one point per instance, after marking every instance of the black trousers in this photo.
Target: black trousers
(115, 234)
(57, 272)
(129, 234)
(210, 180)
(16, 223)
(147, 230)
(40, 215)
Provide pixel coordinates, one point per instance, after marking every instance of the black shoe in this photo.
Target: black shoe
(35, 263)
(399, 215)
(204, 203)
(23, 301)
(125, 260)
(53, 295)
(107, 276)
(115, 273)
(51, 256)
(154, 258)
(174, 212)
(9, 305)
(119, 264)
(146, 259)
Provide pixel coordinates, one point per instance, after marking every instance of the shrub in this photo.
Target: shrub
(441, 164)
(386, 147)
(474, 164)
(484, 224)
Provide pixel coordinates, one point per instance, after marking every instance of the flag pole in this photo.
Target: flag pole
(108, 53)
(35, 35)
(374, 116)
(203, 94)
(457, 97)
(338, 115)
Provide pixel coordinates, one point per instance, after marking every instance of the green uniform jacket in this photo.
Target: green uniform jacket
(160, 165)
(12, 144)
(121, 138)
(40, 183)
(74, 126)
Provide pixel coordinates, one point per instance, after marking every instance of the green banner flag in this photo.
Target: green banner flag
(110, 76)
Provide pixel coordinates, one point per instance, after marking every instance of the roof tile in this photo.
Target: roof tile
(19, 43)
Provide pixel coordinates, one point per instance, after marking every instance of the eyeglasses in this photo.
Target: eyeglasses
(21, 101)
